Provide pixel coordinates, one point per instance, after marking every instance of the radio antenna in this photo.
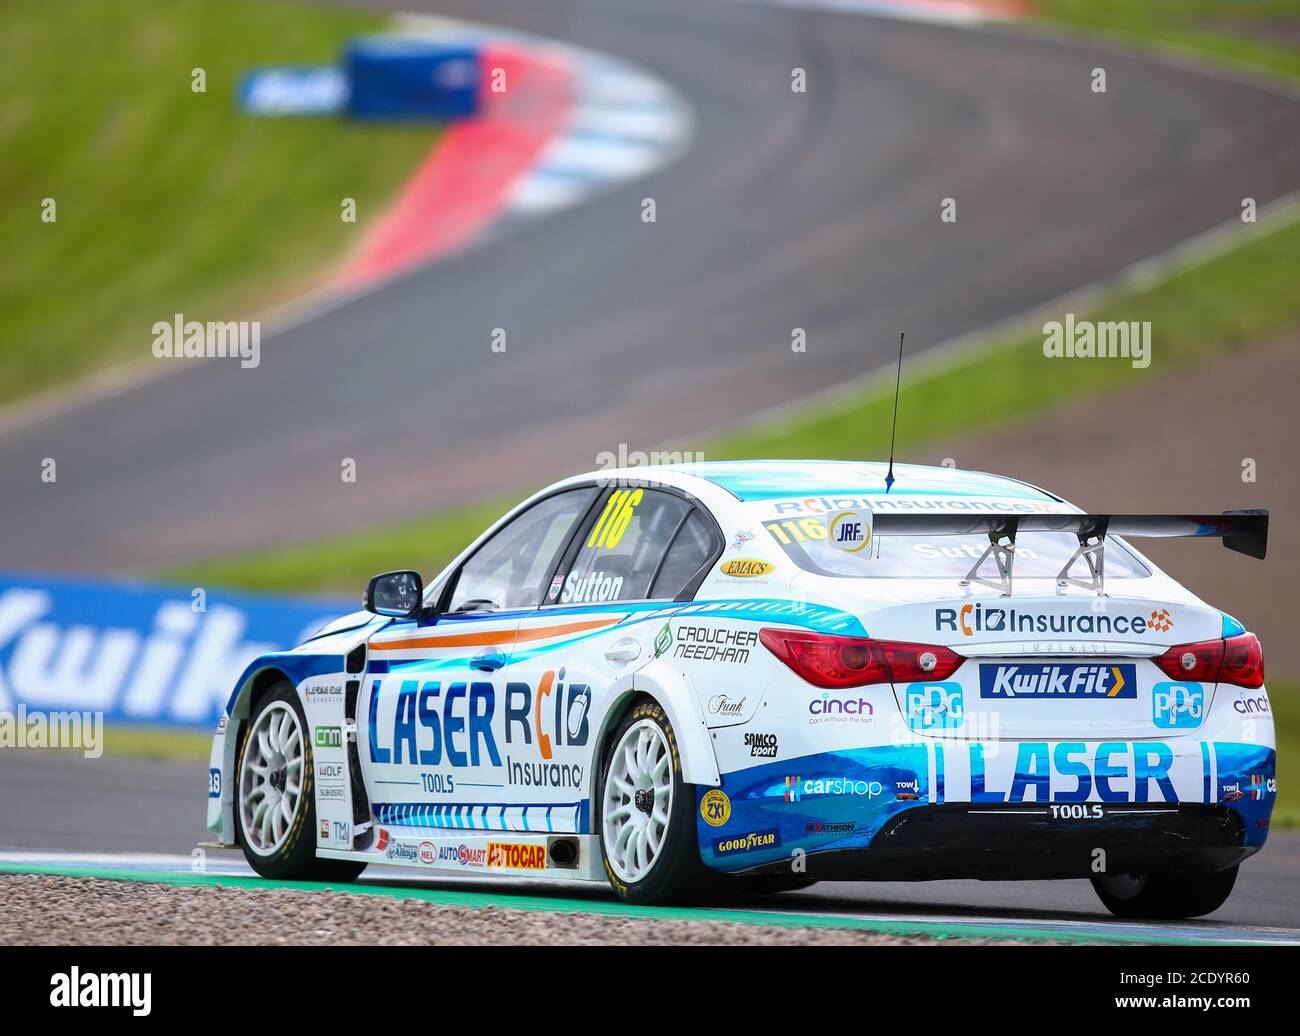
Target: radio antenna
(893, 431)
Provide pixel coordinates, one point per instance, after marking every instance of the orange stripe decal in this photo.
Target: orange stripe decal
(481, 639)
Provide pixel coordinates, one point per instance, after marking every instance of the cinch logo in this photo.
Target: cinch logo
(1247, 705)
(329, 737)
(1177, 705)
(853, 708)
(971, 619)
(1061, 680)
(933, 706)
(513, 856)
(746, 843)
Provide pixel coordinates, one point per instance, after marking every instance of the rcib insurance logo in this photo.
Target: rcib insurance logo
(935, 706)
(1177, 706)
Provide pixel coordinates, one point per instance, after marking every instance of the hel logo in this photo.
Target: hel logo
(428, 853)
(1064, 680)
(744, 568)
(513, 856)
(1177, 705)
(715, 807)
(850, 531)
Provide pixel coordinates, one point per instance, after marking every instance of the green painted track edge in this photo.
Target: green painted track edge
(508, 900)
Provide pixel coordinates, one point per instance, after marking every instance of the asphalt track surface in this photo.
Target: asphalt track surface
(109, 809)
(817, 210)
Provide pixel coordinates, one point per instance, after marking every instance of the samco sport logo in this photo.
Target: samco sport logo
(745, 568)
(715, 807)
(1058, 680)
(971, 619)
(746, 843)
(513, 856)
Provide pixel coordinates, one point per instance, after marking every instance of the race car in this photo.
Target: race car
(691, 680)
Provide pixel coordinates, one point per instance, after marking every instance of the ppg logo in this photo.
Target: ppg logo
(1177, 706)
(935, 706)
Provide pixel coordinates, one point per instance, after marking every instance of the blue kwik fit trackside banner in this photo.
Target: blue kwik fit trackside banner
(138, 654)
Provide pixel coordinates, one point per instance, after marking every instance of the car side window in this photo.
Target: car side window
(691, 550)
(620, 553)
(507, 571)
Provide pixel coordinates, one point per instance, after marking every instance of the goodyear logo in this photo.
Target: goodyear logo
(755, 840)
(1058, 680)
(715, 807)
(744, 568)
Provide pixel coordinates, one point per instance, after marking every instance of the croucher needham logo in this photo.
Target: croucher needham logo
(744, 568)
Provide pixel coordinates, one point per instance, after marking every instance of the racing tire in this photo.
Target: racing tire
(1165, 896)
(648, 838)
(275, 815)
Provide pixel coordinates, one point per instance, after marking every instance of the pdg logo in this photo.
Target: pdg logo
(934, 706)
(1177, 706)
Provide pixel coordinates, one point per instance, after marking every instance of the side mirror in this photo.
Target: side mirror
(396, 594)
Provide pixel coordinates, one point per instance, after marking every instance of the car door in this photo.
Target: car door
(429, 717)
(638, 552)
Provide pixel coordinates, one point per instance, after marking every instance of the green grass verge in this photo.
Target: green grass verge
(167, 200)
(156, 742)
(1285, 698)
(1260, 34)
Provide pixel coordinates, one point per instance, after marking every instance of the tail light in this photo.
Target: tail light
(831, 661)
(1237, 660)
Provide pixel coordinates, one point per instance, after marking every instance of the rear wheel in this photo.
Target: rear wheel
(1165, 896)
(275, 803)
(647, 829)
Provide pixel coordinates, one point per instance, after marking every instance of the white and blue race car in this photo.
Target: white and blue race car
(694, 679)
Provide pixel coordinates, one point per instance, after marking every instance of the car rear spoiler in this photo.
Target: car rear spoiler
(1243, 531)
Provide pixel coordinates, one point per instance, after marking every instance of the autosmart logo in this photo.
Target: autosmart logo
(831, 709)
(748, 843)
(973, 619)
(934, 706)
(1177, 706)
(464, 855)
(797, 788)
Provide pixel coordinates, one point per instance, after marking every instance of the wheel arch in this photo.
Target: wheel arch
(672, 692)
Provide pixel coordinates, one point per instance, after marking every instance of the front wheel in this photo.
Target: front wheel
(275, 802)
(1165, 896)
(647, 829)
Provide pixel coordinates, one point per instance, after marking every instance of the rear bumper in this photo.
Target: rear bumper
(958, 840)
(998, 810)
